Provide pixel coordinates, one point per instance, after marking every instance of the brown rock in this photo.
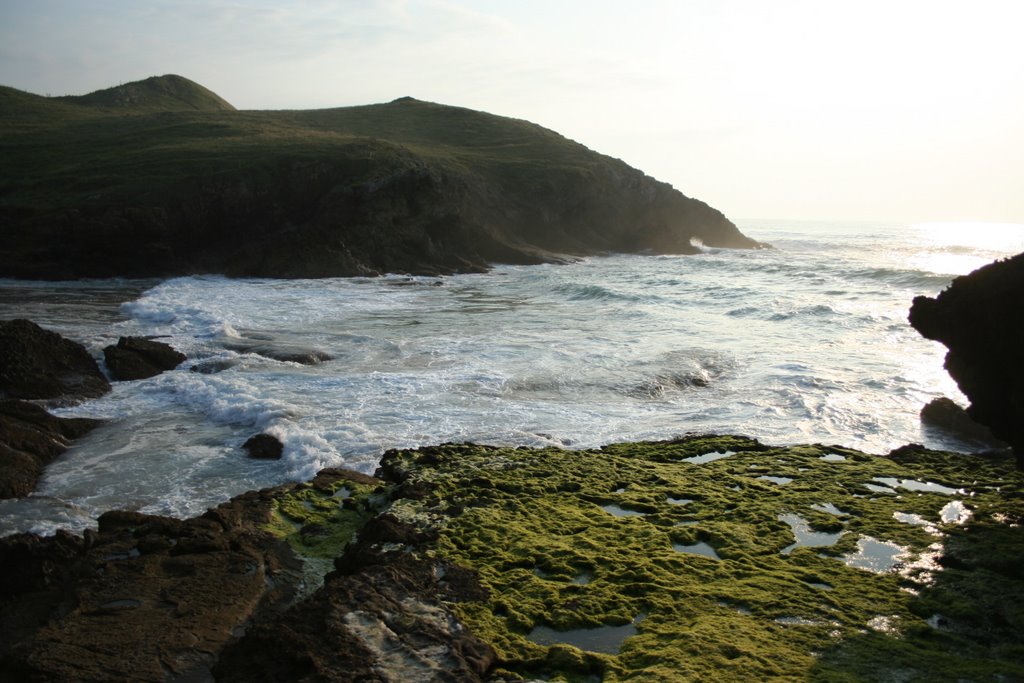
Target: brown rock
(948, 416)
(145, 599)
(29, 439)
(40, 364)
(383, 619)
(264, 447)
(140, 357)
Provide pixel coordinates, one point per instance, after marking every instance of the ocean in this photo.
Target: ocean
(805, 342)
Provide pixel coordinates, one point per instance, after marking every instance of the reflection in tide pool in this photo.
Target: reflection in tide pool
(954, 512)
(707, 457)
(604, 639)
(913, 485)
(699, 548)
(805, 536)
(876, 556)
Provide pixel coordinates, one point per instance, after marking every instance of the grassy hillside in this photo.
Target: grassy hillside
(164, 177)
(155, 94)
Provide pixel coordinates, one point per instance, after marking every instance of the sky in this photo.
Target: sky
(895, 110)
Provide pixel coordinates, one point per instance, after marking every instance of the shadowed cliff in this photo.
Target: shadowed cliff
(163, 177)
(980, 319)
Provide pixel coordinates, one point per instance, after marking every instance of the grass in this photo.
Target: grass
(63, 151)
(162, 177)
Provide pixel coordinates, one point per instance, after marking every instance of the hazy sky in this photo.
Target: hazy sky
(892, 110)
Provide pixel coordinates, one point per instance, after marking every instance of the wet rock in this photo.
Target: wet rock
(385, 619)
(283, 353)
(140, 357)
(980, 319)
(40, 364)
(212, 367)
(947, 415)
(30, 438)
(264, 447)
(146, 598)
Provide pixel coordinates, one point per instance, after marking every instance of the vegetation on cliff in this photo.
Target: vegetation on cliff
(163, 177)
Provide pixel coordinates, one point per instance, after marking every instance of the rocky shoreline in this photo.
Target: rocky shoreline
(707, 557)
(727, 557)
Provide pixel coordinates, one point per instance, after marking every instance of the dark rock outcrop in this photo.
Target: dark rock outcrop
(286, 353)
(382, 619)
(40, 364)
(945, 414)
(980, 319)
(264, 447)
(145, 598)
(156, 598)
(29, 439)
(140, 357)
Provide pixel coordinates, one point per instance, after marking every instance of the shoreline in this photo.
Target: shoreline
(504, 541)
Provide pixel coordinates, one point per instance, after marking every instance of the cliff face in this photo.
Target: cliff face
(92, 187)
(980, 319)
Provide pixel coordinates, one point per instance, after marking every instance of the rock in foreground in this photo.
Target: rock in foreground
(707, 558)
(30, 438)
(980, 319)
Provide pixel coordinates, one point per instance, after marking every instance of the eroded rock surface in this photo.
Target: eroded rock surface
(30, 438)
(980, 319)
(41, 364)
(144, 599)
(707, 558)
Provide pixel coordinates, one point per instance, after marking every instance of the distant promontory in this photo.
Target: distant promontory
(162, 177)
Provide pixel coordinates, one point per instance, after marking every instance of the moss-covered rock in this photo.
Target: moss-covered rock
(705, 558)
(697, 554)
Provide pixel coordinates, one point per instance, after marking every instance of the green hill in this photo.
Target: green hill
(163, 177)
(158, 93)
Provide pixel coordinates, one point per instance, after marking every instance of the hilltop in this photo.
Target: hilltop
(163, 177)
(158, 93)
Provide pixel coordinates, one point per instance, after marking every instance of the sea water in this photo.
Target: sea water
(804, 342)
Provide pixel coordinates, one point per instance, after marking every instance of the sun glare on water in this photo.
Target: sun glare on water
(957, 248)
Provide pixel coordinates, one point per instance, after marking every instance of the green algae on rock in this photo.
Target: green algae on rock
(479, 563)
(532, 522)
(320, 518)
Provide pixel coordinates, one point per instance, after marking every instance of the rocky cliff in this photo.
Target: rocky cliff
(980, 319)
(161, 178)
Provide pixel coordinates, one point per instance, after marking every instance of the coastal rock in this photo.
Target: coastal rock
(401, 187)
(264, 447)
(145, 598)
(947, 415)
(638, 561)
(30, 438)
(980, 319)
(136, 358)
(40, 364)
(282, 352)
(387, 619)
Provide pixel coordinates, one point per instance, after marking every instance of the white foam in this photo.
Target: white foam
(507, 358)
